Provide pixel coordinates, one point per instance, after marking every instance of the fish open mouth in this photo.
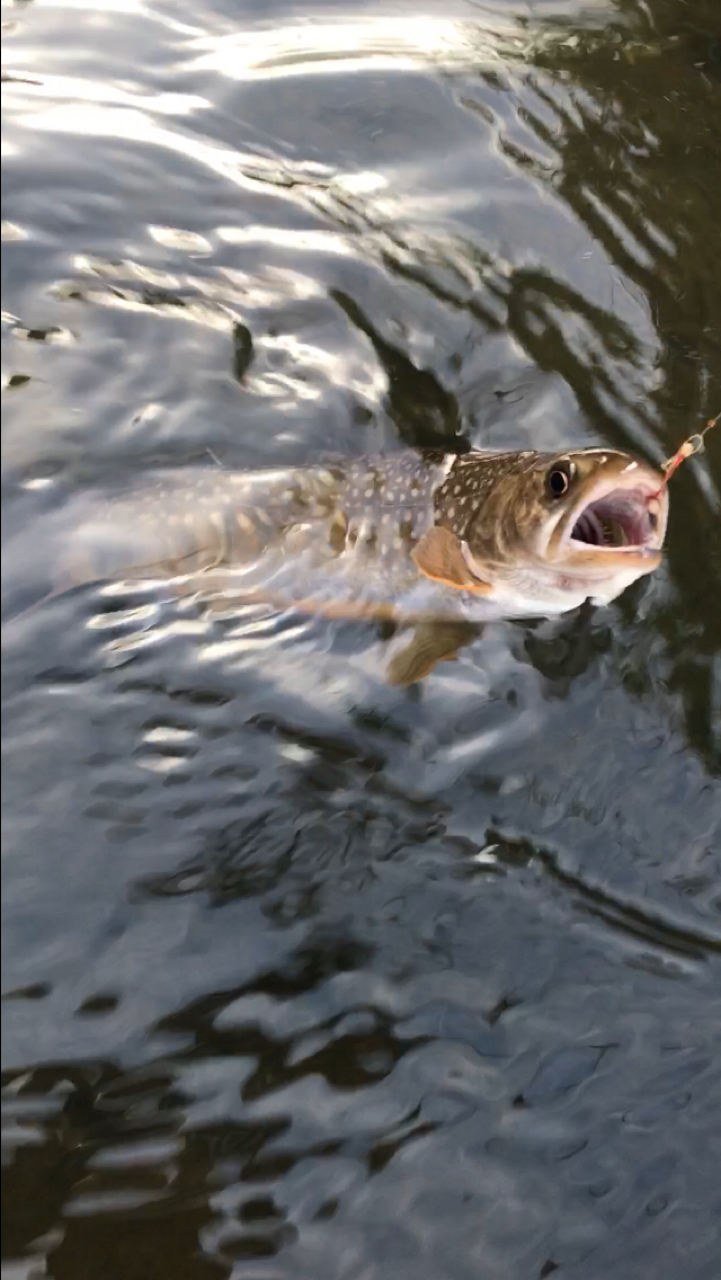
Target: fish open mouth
(620, 518)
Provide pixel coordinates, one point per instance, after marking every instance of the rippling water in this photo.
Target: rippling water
(306, 975)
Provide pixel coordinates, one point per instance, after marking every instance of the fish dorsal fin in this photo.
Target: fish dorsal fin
(439, 556)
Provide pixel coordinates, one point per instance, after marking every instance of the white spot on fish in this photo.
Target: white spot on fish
(631, 466)
(451, 512)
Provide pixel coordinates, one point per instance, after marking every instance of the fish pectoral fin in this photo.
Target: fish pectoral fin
(430, 644)
(439, 555)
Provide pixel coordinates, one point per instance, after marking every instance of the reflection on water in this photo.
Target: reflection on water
(308, 971)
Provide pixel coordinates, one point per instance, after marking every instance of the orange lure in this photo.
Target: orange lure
(694, 444)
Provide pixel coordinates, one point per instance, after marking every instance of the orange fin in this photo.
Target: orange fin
(439, 556)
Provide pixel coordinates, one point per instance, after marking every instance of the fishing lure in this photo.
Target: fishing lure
(694, 444)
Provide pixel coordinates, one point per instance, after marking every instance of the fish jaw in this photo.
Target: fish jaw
(614, 532)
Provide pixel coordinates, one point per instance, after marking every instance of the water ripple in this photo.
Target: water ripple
(311, 968)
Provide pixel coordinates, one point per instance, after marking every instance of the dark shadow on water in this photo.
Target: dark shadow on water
(424, 413)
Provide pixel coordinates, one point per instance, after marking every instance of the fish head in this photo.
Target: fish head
(593, 520)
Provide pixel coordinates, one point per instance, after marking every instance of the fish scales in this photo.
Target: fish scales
(181, 523)
(188, 522)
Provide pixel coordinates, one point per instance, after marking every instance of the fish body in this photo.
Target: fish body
(467, 536)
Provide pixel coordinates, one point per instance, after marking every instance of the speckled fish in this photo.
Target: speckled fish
(404, 535)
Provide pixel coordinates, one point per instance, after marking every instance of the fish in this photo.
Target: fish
(406, 537)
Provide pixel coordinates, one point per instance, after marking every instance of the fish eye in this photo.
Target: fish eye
(558, 479)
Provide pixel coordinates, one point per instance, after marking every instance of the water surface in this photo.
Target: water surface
(307, 975)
